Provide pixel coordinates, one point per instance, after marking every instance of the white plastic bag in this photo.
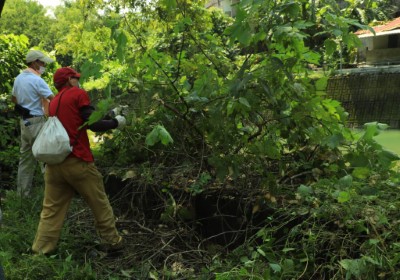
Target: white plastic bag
(52, 143)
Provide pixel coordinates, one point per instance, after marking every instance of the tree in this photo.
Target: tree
(28, 18)
(13, 50)
(241, 111)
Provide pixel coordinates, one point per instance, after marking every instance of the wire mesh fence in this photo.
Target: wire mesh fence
(368, 97)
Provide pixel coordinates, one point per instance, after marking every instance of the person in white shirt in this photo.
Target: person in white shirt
(29, 93)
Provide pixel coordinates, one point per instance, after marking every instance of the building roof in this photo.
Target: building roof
(391, 25)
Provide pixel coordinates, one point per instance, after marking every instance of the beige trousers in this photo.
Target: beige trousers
(27, 163)
(61, 182)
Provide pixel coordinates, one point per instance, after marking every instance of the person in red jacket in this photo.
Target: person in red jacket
(77, 173)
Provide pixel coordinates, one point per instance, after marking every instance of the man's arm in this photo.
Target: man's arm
(99, 126)
(45, 104)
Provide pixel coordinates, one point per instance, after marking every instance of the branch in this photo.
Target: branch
(198, 44)
(176, 111)
(171, 83)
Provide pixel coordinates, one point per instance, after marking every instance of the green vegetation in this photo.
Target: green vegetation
(234, 164)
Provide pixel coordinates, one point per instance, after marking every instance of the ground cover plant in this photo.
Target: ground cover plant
(234, 163)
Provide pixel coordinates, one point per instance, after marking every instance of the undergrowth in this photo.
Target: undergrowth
(20, 220)
(345, 226)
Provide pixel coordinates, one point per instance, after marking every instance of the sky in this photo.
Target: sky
(49, 3)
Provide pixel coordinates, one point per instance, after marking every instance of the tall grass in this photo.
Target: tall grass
(20, 221)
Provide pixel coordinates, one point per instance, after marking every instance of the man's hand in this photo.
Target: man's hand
(115, 112)
(121, 121)
(119, 110)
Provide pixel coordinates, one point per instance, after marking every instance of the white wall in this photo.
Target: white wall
(225, 5)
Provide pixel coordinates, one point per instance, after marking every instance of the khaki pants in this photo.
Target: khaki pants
(61, 180)
(27, 163)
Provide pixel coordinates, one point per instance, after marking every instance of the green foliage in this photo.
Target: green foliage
(233, 99)
(369, 156)
(102, 108)
(16, 239)
(12, 53)
(28, 18)
(199, 186)
(335, 228)
(13, 50)
(243, 107)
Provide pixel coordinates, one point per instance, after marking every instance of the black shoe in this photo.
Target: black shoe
(108, 250)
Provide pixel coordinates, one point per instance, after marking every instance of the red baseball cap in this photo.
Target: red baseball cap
(63, 74)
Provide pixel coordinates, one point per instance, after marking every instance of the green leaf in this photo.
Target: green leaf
(269, 148)
(373, 241)
(92, 67)
(312, 57)
(261, 252)
(292, 9)
(285, 250)
(170, 4)
(304, 190)
(126, 273)
(361, 172)
(94, 117)
(346, 181)
(102, 108)
(383, 126)
(152, 138)
(343, 197)
(159, 134)
(244, 35)
(165, 137)
(288, 265)
(275, 267)
(241, 30)
(356, 267)
(321, 84)
(387, 157)
(333, 141)
(333, 167)
(244, 102)
(230, 107)
(371, 130)
(330, 46)
(244, 259)
(122, 41)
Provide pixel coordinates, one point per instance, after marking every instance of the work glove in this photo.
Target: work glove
(121, 121)
(119, 110)
(116, 111)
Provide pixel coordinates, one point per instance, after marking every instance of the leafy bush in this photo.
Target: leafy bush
(12, 54)
(333, 228)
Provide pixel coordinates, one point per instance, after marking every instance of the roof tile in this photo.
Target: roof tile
(391, 25)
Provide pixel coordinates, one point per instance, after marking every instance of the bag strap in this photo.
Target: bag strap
(59, 100)
(58, 105)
